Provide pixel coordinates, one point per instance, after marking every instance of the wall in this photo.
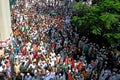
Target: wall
(5, 20)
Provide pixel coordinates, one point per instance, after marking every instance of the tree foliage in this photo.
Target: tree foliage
(101, 19)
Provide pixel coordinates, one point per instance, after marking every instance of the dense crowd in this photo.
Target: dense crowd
(46, 46)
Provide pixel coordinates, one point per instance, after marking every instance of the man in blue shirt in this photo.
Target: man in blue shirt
(28, 77)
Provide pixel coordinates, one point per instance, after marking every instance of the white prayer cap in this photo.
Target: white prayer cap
(35, 71)
(60, 74)
(69, 71)
(28, 74)
(58, 54)
(47, 71)
(43, 61)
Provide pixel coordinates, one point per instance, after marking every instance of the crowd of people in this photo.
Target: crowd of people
(46, 46)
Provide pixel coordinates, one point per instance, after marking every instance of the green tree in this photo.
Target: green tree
(101, 19)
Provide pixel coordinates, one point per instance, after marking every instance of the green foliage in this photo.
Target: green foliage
(81, 9)
(96, 31)
(100, 19)
(109, 19)
(75, 19)
(113, 38)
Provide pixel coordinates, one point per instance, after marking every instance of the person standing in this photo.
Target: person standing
(28, 77)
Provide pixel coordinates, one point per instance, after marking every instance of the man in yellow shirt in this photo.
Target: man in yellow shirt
(17, 68)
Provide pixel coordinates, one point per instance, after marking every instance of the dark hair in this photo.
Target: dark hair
(0, 47)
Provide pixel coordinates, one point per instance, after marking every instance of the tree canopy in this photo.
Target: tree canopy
(101, 19)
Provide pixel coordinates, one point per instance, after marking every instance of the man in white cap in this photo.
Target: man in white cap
(28, 77)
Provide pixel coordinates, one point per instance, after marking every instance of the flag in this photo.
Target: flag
(24, 29)
(44, 57)
(64, 66)
(73, 63)
(75, 68)
(67, 60)
(28, 26)
(53, 46)
(59, 61)
(70, 76)
(79, 66)
(58, 66)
